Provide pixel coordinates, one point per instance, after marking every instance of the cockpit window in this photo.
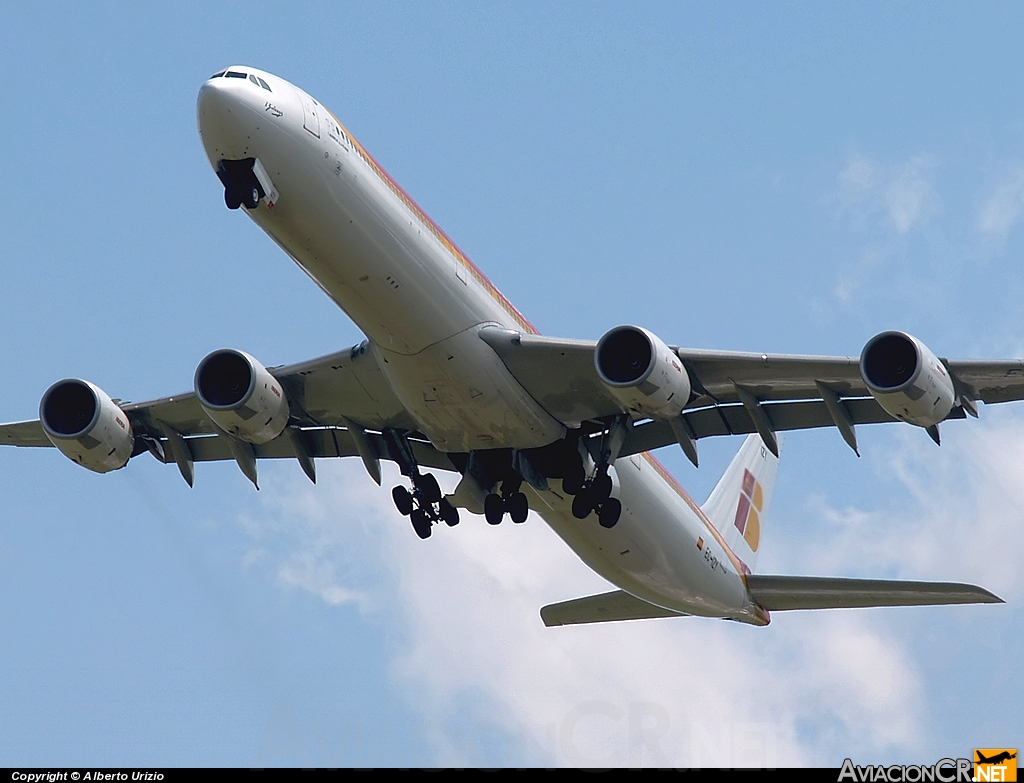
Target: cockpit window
(234, 75)
(252, 78)
(217, 75)
(264, 85)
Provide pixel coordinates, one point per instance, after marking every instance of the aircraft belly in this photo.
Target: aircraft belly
(652, 552)
(362, 245)
(464, 398)
(346, 231)
(402, 289)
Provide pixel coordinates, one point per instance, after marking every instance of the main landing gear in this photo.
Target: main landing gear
(594, 493)
(424, 505)
(511, 499)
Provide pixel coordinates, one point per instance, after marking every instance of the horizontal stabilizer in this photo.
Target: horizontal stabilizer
(603, 608)
(779, 593)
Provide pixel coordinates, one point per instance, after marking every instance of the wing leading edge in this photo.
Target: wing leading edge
(340, 406)
(733, 393)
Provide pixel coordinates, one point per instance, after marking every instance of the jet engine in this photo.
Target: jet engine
(241, 396)
(86, 425)
(642, 372)
(907, 379)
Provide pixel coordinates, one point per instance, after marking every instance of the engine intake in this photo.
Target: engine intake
(642, 372)
(907, 379)
(241, 396)
(86, 426)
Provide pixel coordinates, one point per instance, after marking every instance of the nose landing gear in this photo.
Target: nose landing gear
(245, 183)
(241, 185)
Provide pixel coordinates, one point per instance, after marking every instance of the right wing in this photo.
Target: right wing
(339, 404)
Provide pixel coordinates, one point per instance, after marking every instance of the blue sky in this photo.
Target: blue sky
(780, 178)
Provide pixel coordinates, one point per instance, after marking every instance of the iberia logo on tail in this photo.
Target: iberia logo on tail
(748, 514)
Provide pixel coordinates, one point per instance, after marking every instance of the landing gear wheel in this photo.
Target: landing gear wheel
(494, 509)
(403, 500)
(232, 198)
(430, 488)
(582, 505)
(420, 523)
(610, 512)
(601, 489)
(574, 478)
(518, 507)
(448, 512)
(251, 199)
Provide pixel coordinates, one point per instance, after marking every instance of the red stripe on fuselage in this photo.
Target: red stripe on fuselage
(461, 257)
(438, 232)
(738, 564)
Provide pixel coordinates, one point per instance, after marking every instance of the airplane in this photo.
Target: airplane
(452, 377)
(996, 759)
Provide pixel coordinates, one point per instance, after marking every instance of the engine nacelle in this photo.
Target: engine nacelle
(642, 372)
(86, 425)
(241, 396)
(907, 379)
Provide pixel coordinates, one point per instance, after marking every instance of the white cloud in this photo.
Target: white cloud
(887, 203)
(810, 689)
(961, 520)
(902, 194)
(1001, 211)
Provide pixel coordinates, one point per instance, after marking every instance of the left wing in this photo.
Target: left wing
(734, 393)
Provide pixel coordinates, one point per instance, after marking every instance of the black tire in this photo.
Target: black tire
(610, 513)
(420, 523)
(251, 199)
(518, 507)
(494, 509)
(601, 489)
(449, 513)
(232, 198)
(430, 488)
(582, 505)
(403, 500)
(574, 478)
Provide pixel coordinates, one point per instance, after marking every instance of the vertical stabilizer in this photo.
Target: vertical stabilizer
(738, 502)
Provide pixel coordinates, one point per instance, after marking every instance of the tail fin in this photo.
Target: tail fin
(738, 502)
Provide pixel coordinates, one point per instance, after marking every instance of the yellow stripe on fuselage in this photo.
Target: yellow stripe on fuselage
(524, 324)
(443, 238)
(741, 569)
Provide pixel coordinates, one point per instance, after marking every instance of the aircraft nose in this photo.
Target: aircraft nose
(223, 113)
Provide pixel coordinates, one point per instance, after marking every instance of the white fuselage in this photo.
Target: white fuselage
(421, 303)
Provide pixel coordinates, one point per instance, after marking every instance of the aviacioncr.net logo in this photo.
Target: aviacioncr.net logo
(995, 764)
(942, 771)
